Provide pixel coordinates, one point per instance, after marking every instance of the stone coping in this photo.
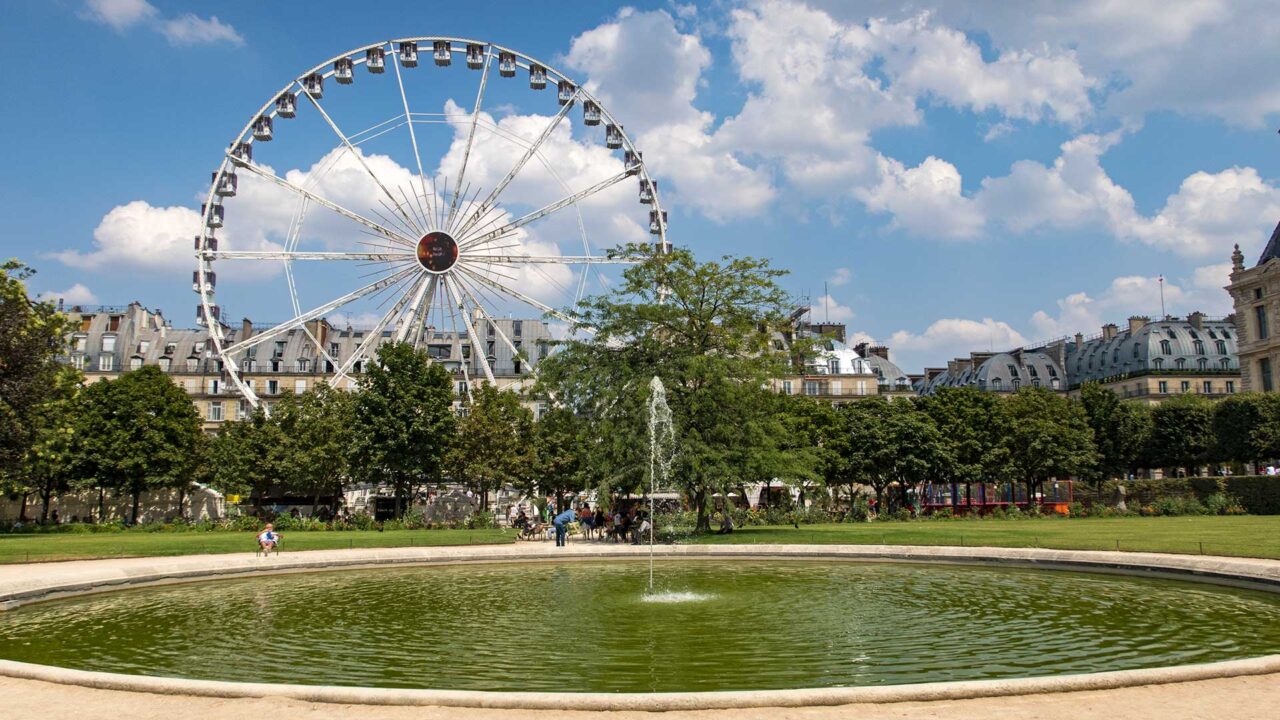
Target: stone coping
(21, 584)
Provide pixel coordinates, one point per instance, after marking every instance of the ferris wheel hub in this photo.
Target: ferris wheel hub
(437, 251)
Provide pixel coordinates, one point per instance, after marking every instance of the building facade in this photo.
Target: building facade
(1254, 293)
(838, 373)
(109, 340)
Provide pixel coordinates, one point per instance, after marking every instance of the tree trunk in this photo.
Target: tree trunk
(1031, 493)
(102, 502)
(22, 508)
(704, 520)
(316, 502)
(182, 501)
(137, 499)
(46, 494)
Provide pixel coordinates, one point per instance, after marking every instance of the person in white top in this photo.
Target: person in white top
(268, 539)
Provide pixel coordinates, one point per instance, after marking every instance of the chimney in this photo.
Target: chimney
(931, 373)
(1196, 319)
(1137, 322)
(861, 348)
(880, 351)
(1079, 341)
(246, 329)
(1109, 331)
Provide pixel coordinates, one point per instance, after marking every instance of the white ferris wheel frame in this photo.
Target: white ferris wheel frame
(462, 286)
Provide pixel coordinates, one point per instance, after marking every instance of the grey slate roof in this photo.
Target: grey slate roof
(1272, 250)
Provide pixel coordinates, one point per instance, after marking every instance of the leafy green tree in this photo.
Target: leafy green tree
(813, 434)
(560, 453)
(1120, 431)
(51, 462)
(1048, 436)
(316, 426)
(973, 425)
(404, 422)
(494, 445)
(705, 329)
(248, 456)
(1181, 433)
(892, 443)
(137, 433)
(1236, 419)
(32, 335)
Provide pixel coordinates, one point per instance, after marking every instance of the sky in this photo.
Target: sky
(942, 177)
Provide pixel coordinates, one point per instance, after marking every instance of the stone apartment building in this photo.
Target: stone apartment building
(1255, 293)
(109, 340)
(838, 373)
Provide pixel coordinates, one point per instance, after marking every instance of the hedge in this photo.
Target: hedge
(1257, 494)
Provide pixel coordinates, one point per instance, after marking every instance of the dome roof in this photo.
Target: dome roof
(1169, 344)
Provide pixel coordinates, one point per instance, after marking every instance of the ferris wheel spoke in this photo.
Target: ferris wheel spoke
(463, 286)
(402, 331)
(382, 230)
(546, 210)
(482, 257)
(355, 153)
(512, 292)
(497, 190)
(463, 360)
(404, 98)
(375, 335)
(291, 256)
(317, 312)
(471, 136)
(471, 330)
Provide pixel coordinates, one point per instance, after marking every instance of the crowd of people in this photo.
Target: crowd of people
(630, 524)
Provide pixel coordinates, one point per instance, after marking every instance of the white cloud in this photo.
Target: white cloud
(957, 337)
(825, 308)
(119, 14)
(188, 29)
(925, 200)
(1125, 296)
(137, 235)
(183, 30)
(841, 276)
(77, 294)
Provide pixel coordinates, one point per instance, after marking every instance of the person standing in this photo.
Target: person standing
(561, 523)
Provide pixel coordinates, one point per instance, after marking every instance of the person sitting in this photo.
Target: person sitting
(726, 524)
(268, 540)
(641, 528)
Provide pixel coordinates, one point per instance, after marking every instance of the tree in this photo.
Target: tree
(494, 444)
(404, 422)
(1048, 436)
(248, 456)
(704, 328)
(316, 427)
(1181, 433)
(891, 443)
(136, 433)
(32, 335)
(560, 452)
(973, 425)
(51, 461)
(1120, 431)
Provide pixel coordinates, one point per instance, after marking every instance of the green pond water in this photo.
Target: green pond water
(588, 626)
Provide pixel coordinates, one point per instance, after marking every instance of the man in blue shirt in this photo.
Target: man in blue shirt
(561, 523)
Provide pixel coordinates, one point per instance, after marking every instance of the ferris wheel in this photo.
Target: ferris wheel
(418, 249)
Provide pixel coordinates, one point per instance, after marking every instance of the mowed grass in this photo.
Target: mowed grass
(43, 547)
(1238, 535)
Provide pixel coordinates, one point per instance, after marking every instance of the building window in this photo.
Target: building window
(462, 388)
(466, 352)
(273, 387)
(1203, 363)
(810, 387)
(135, 363)
(198, 347)
(862, 387)
(77, 362)
(1135, 352)
(1199, 347)
(837, 387)
(215, 411)
(489, 348)
(833, 366)
(1180, 363)
(214, 386)
(108, 343)
(1257, 293)
(1158, 363)
(302, 364)
(1054, 383)
(1166, 348)
(1163, 388)
(1222, 347)
(247, 364)
(164, 364)
(170, 348)
(1208, 388)
(191, 364)
(515, 366)
(517, 327)
(1186, 386)
(106, 363)
(1225, 363)
(1231, 386)
(786, 387)
(490, 325)
(1264, 370)
(333, 350)
(242, 409)
(996, 384)
(79, 343)
(1260, 318)
(144, 347)
(299, 386)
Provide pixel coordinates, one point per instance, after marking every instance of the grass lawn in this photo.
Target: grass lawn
(21, 548)
(1238, 535)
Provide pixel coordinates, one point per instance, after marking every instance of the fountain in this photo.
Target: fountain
(661, 453)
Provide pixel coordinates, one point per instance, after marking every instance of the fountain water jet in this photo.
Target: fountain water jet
(661, 453)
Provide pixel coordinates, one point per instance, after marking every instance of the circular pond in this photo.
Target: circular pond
(589, 626)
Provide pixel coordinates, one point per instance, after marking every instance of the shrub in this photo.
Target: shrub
(362, 521)
(482, 520)
(1257, 494)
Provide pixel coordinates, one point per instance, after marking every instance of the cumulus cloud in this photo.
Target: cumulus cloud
(1125, 296)
(77, 294)
(827, 309)
(185, 29)
(841, 276)
(924, 200)
(953, 337)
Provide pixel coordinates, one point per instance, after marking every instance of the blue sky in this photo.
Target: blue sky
(959, 176)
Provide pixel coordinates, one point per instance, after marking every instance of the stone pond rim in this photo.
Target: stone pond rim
(20, 585)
